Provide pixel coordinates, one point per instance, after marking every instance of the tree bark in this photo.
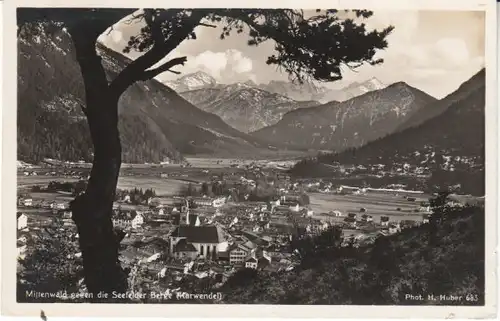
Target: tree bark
(92, 210)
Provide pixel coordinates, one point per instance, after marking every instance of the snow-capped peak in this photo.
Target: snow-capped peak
(196, 80)
(375, 84)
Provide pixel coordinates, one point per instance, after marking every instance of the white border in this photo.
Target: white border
(9, 179)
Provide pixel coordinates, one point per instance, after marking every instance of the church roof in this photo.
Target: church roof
(198, 234)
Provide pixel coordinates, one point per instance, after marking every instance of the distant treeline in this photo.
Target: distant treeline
(137, 195)
(74, 188)
(262, 192)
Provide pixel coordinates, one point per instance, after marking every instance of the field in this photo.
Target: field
(162, 186)
(376, 205)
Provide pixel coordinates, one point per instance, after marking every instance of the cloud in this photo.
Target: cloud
(238, 62)
(213, 62)
(438, 57)
(218, 64)
(226, 66)
(452, 50)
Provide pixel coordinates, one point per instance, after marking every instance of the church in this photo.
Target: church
(195, 241)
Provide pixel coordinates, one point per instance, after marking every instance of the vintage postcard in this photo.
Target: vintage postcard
(309, 159)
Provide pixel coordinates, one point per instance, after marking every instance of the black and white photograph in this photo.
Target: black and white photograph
(251, 156)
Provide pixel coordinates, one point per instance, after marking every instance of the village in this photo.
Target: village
(208, 234)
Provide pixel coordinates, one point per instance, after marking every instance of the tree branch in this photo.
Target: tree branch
(155, 26)
(149, 74)
(134, 71)
(207, 25)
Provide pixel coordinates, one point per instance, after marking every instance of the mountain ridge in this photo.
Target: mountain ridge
(352, 123)
(434, 110)
(243, 106)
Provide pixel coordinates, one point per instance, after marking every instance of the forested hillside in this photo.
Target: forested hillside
(155, 122)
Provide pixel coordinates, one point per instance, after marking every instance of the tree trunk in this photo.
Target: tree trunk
(92, 210)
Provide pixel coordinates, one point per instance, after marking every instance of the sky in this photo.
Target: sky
(434, 51)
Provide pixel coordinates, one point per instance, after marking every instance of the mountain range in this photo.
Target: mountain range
(155, 122)
(446, 136)
(306, 91)
(339, 125)
(392, 123)
(310, 91)
(249, 106)
(242, 105)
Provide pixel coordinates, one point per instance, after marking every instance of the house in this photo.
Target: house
(22, 221)
(205, 239)
(128, 219)
(28, 202)
(137, 220)
(218, 202)
(290, 198)
(65, 214)
(251, 263)
(207, 201)
(384, 220)
(238, 253)
(61, 206)
(257, 263)
(258, 259)
(425, 209)
(203, 201)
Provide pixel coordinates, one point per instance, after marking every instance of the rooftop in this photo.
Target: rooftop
(199, 234)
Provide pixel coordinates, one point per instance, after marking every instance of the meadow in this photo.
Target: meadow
(376, 205)
(162, 186)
